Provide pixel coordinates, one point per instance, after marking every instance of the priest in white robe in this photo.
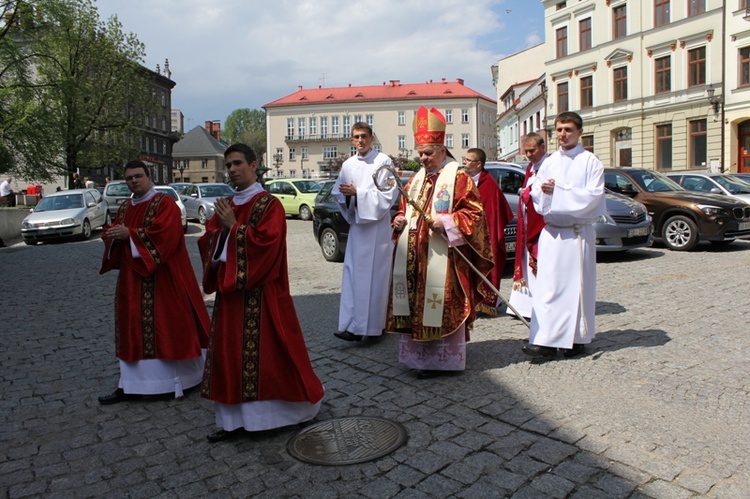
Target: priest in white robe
(369, 249)
(569, 192)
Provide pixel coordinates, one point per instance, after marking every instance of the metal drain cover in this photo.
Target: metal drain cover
(347, 441)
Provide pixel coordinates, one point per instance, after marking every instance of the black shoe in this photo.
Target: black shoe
(117, 396)
(539, 351)
(578, 349)
(222, 435)
(347, 336)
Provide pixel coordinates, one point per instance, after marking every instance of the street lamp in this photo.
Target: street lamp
(278, 160)
(714, 100)
(181, 165)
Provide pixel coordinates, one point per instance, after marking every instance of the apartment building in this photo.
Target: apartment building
(308, 132)
(648, 79)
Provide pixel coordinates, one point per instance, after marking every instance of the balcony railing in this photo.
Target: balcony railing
(319, 137)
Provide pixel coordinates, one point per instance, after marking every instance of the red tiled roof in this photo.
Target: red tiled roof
(393, 90)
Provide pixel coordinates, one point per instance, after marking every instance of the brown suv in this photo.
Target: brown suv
(681, 218)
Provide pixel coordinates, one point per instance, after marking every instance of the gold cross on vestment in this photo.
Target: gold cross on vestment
(434, 301)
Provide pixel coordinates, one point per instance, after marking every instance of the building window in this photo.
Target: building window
(449, 115)
(163, 124)
(619, 22)
(324, 126)
(525, 127)
(402, 141)
(696, 7)
(292, 154)
(664, 147)
(148, 145)
(587, 91)
(464, 115)
(663, 72)
(449, 140)
(401, 118)
(464, 140)
(562, 97)
(698, 143)
(305, 153)
(370, 119)
(561, 35)
(292, 173)
(347, 125)
(301, 127)
(620, 78)
(661, 12)
(357, 118)
(279, 158)
(587, 142)
(697, 66)
(329, 152)
(163, 99)
(335, 125)
(352, 150)
(289, 128)
(164, 147)
(204, 163)
(153, 122)
(560, 6)
(745, 66)
(584, 34)
(313, 122)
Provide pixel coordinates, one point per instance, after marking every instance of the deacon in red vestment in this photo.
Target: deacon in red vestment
(499, 215)
(161, 322)
(258, 371)
(434, 292)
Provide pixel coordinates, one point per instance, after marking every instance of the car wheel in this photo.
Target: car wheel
(86, 230)
(330, 246)
(30, 242)
(202, 215)
(305, 213)
(680, 233)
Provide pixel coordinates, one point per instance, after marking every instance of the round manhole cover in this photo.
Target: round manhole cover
(347, 441)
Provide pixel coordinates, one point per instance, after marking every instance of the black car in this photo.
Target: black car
(331, 230)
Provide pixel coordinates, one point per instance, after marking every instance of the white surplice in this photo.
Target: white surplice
(369, 248)
(564, 299)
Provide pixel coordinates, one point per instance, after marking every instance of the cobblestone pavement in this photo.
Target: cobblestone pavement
(658, 408)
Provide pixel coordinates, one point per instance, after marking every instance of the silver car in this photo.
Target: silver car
(64, 215)
(718, 183)
(115, 193)
(169, 191)
(199, 199)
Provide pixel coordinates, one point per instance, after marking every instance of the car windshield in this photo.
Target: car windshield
(732, 184)
(306, 186)
(325, 188)
(169, 192)
(215, 191)
(54, 203)
(652, 181)
(117, 190)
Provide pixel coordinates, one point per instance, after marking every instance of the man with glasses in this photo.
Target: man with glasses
(161, 322)
(498, 213)
(369, 248)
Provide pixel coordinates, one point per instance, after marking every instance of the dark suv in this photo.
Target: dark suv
(681, 218)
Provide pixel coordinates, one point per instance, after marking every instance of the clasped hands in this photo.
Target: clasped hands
(399, 222)
(117, 232)
(348, 189)
(225, 213)
(548, 187)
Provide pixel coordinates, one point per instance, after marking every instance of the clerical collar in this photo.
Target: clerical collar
(245, 195)
(146, 197)
(437, 170)
(572, 152)
(368, 153)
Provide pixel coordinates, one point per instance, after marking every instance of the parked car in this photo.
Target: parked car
(169, 191)
(297, 195)
(115, 193)
(681, 218)
(199, 199)
(625, 226)
(718, 183)
(64, 215)
(179, 186)
(745, 177)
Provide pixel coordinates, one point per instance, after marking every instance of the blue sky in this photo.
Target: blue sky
(230, 54)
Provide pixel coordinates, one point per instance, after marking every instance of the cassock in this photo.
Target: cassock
(499, 214)
(565, 293)
(257, 368)
(435, 307)
(161, 322)
(530, 224)
(369, 248)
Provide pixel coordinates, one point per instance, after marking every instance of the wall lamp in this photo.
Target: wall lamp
(714, 100)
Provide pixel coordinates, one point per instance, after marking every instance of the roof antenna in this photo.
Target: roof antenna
(323, 79)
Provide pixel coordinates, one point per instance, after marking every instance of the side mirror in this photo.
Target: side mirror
(628, 190)
(716, 190)
(91, 204)
(194, 195)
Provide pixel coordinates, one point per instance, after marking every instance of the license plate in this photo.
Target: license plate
(510, 247)
(640, 231)
(744, 226)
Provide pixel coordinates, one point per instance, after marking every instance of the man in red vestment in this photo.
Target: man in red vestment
(498, 213)
(530, 225)
(434, 292)
(161, 322)
(258, 371)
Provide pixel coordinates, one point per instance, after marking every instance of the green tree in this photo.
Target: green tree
(247, 126)
(90, 94)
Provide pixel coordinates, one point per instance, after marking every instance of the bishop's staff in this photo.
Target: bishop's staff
(385, 183)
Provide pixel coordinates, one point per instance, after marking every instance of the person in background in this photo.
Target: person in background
(6, 192)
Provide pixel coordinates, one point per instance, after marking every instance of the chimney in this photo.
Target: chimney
(214, 128)
(460, 81)
(395, 83)
(299, 88)
(442, 80)
(167, 72)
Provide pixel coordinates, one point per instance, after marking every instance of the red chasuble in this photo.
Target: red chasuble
(530, 225)
(256, 351)
(499, 214)
(463, 287)
(159, 309)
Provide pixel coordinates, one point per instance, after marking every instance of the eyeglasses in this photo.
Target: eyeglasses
(360, 136)
(467, 160)
(134, 176)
